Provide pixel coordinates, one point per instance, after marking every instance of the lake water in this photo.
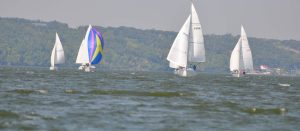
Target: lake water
(38, 99)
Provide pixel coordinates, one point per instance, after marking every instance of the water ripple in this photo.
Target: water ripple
(39, 99)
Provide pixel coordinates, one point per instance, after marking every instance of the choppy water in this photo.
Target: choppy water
(38, 99)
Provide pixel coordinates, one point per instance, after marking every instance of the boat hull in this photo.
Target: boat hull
(236, 74)
(53, 68)
(87, 68)
(185, 72)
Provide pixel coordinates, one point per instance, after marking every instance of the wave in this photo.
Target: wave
(140, 93)
(24, 91)
(268, 111)
(8, 114)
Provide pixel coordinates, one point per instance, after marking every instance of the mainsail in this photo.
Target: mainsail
(82, 56)
(247, 55)
(196, 43)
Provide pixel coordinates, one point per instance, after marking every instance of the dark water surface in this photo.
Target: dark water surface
(38, 99)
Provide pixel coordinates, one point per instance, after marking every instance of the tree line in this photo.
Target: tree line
(29, 43)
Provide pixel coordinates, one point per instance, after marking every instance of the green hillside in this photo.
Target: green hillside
(29, 43)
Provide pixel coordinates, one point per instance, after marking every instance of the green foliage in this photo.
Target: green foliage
(29, 43)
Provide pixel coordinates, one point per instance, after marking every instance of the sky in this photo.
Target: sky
(275, 19)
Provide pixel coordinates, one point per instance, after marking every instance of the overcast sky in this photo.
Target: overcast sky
(278, 19)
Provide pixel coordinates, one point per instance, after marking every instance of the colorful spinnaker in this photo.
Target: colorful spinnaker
(95, 46)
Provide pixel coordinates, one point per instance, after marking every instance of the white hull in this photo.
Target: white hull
(53, 68)
(185, 72)
(237, 74)
(86, 68)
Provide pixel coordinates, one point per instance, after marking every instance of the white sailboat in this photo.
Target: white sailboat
(241, 61)
(188, 46)
(91, 50)
(57, 55)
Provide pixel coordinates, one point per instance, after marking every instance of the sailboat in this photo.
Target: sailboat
(188, 47)
(91, 50)
(57, 55)
(241, 62)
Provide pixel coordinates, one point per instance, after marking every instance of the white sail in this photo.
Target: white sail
(173, 65)
(82, 56)
(241, 56)
(57, 55)
(235, 57)
(60, 54)
(247, 55)
(188, 47)
(196, 43)
(53, 54)
(178, 52)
